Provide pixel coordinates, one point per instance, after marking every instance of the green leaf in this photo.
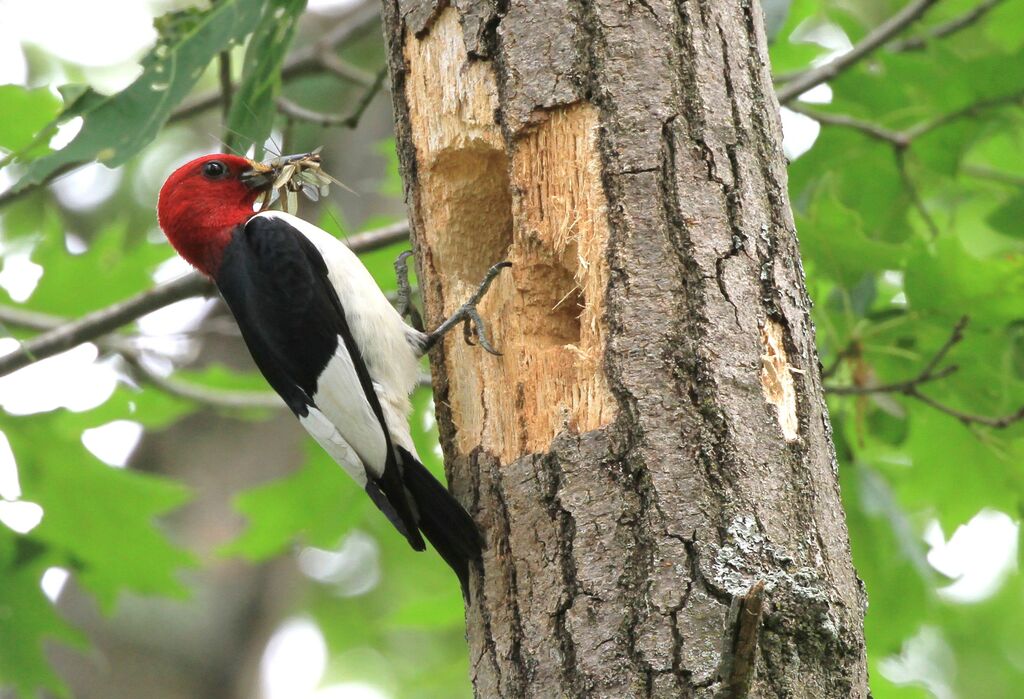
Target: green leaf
(116, 127)
(26, 113)
(889, 558)
(942, 451)
(949, 281)
(99, 519)
(832, 238)
(868, 182)
(1009, 218)
(120, 257)
(318, 502)
(253, 106)
(788, 55)
(29, 619)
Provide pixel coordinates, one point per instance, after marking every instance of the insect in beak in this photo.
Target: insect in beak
(291, 174)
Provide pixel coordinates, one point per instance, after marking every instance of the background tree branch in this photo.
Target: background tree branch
(796, 84)
(106, 320)
(929, 373)
(967, 19)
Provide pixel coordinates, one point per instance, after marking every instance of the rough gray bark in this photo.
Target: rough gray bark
(644, 458)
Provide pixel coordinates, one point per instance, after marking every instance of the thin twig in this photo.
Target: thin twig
(969, 419)
(226, 87)
(212, 397)
(915, 43)
(108, 319)
(903, 387)
(226, 90)
(799, 83)
(968, 111)
(929, 373)
(852, 349)
(984, 173)
(915, 195)
(881, 133)
(350, 120)
(330, 62)
(901, 140)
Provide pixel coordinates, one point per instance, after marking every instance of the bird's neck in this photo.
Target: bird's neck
(203, 248)
(200, 234)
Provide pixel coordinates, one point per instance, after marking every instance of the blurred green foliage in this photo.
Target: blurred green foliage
(900, 240)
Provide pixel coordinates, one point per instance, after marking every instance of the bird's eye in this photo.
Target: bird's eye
(214, 170)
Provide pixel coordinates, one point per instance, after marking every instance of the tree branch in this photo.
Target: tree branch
(351, 120)
(927, 373)
(931, 372)
(915, 43)
(212, 397)
(969, 419)
(902, 139)
(896, 138)
(795, 85)
(985, 173)
(217, 398)
(108, 319)
(915, 196)
(967, 111)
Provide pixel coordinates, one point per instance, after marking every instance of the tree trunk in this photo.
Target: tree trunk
(650, 460)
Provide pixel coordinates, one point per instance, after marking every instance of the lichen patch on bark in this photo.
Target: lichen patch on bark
(540, 206)
(777, 379)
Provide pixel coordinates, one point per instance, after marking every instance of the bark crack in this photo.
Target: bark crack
(567, 563)
(519, 668)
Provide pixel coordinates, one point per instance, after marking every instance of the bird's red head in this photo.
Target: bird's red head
(202, 203)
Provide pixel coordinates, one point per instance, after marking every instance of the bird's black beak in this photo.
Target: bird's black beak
(261, 176)
(258, 177)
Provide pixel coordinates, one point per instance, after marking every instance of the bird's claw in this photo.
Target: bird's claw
(474, 325)
(403, 303)
(469, 317)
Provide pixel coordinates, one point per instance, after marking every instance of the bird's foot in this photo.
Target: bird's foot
(403, 302)
(472, 323)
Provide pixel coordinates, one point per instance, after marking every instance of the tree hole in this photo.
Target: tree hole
(473, 206)
(552, 304)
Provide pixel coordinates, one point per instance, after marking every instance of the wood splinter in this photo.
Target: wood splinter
(742, 627)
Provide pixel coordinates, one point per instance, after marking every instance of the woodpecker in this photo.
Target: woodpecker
(324, 336)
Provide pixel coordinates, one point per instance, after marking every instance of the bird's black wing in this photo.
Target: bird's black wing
(276, 284)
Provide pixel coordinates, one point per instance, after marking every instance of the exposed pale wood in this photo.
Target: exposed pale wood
(544, 212)
(777, 378)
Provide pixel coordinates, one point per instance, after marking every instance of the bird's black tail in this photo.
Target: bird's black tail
(444, 521)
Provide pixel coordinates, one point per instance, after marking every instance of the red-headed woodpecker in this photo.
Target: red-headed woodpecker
(324, 336)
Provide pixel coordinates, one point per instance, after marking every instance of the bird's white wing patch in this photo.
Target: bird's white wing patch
(340, 398)
(388, 345)
(328, 437)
